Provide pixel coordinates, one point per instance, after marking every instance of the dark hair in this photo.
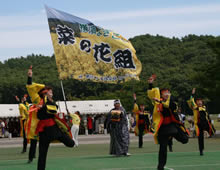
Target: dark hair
(163, 89)
(199, 99)
(43, 91)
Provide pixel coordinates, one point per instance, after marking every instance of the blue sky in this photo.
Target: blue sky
(24, 28)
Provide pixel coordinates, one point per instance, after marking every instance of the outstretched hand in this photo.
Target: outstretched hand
(134, 96)
(151, 78)
(193, 90)
(16, 97)
(30, 71)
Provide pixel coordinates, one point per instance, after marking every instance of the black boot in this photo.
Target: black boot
(170, 148)
(201, 153)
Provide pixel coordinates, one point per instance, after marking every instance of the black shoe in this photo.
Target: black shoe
(201, 153)
(160, 168)
(127, 154)
(140, 146)
(23, 151)
(170, 149)
(29, 161)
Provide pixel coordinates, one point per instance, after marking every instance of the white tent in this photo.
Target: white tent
(84, 107)
(9, 110)
(87, 107)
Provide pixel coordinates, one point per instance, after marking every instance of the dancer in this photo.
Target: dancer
(75, 119)
(117, 125)
(30, 131)
(202, 121)
(165, 120)
(142, 121)
(49, 126)
(23, 110)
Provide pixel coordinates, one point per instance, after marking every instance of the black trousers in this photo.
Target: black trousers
(140, 135)
(24, 138)
(32, 150)
(201, 139)
(46, 137)
(164, 135)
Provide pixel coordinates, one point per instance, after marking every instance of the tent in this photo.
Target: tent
(84, 107)
(87, 107)
(9, 110)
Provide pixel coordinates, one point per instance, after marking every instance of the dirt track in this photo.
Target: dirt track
(83, 139)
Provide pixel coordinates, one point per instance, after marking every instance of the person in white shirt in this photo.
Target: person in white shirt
(75, 120)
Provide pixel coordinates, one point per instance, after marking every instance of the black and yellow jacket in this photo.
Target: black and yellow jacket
(47, 111)
(146, 120)
(160, 111)
(23, 110)
(197, 111)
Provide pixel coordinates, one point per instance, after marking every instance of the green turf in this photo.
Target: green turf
(95, 157)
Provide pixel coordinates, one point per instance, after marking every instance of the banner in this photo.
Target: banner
(85, 51)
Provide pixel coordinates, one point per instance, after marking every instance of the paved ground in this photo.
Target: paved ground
(83, 139)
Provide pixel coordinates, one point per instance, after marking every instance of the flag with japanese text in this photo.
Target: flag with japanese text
(84, 51)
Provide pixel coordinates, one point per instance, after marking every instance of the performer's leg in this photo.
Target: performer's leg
(43, 149)
(170, 144)
(32, 150)
(24, 139)
(76, 136)
(73, 131)
(162, 159)
(201, 142)
(140, 135)
(65, 139)
(181, 136)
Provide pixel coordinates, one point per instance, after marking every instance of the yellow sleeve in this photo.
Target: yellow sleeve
(192, 104)
(136, 108)
(154, 93)
(166, 104)
(21, 111)
(33, 90)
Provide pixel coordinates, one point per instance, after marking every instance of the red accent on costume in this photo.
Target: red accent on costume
(44, 123)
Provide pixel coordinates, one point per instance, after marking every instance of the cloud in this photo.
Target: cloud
(26, 38)
(202, 9)
(31, 31)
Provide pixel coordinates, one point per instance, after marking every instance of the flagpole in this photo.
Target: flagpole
(59, 106)
(64, 97)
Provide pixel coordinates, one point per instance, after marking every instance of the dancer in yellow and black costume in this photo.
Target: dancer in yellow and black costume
(23, 110)
(165, 120)
(143, 124)
(202, 120)
(50, 127)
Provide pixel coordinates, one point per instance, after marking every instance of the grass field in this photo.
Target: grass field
(95, 157)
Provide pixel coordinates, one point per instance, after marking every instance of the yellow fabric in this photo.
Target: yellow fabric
(136, 108)
(33, 90)
(166, 104)
(75, 119)
(193, 106)
(23, 110)
(32, 125)
(155, 93)
(51, 109)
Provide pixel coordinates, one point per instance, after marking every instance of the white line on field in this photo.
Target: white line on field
(174, 166)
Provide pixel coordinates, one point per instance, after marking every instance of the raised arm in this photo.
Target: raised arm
(191, 102)
(33, 88)
(153, 93)
(136, 108)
